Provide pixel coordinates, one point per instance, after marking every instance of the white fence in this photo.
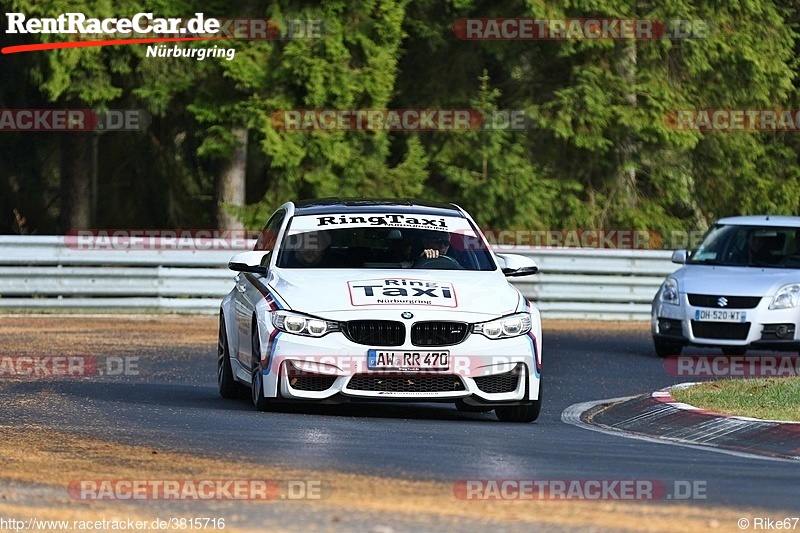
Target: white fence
(43, 273)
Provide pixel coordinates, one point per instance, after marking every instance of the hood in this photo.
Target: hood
(733, 281)
(336, 293)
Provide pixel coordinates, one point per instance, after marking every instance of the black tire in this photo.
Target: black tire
(666, 349)
(521, 413)
(734, 350)
(257, 383)
(467, 408)
(228, 387)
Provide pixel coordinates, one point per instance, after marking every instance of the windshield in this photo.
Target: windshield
(750, 246)
(383, 241)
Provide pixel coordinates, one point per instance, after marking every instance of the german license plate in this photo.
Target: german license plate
(717, 315)
(407, 360)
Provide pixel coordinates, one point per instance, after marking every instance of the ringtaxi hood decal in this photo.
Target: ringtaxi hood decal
(482, 294)
(394, 291)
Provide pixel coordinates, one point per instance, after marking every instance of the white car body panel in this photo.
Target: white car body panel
(733, 281)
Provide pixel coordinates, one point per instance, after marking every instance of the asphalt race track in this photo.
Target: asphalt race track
(173, 403)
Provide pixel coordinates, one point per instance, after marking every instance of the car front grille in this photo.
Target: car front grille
(375, 332)
(409, 383)
(721, 330)
(732, 302)
(506, 382)
(311, 382)
(438, 333)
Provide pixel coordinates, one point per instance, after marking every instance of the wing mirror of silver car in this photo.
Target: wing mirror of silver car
(680, 257)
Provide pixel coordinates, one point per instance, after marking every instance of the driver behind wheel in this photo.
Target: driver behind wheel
(434, 244)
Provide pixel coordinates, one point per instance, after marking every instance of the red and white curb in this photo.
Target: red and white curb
(657, 417)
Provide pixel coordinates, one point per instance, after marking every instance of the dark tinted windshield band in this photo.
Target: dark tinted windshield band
(749, 246)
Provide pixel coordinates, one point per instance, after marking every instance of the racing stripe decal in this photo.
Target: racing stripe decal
(271, 345)
(537, 361)
(537, 357)
(271, 299)
(274, 304)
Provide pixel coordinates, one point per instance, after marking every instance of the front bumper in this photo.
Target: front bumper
(762, 328)
(332, 369)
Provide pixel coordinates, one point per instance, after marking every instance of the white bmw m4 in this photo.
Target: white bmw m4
(380, 300)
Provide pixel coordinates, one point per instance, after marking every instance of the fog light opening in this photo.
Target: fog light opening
(782, 331)
(664, 326)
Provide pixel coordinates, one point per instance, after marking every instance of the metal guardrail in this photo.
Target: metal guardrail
(585, 283)
(39, 273)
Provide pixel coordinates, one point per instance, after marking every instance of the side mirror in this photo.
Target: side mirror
(679, 257)
(250, 262)
(514, 265)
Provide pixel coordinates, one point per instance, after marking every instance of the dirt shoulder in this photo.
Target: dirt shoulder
(54, 460)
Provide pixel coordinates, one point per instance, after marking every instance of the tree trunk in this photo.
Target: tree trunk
(232, 183)
(77, 168)
(627, 148)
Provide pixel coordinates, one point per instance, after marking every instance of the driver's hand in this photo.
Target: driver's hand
(429, 254)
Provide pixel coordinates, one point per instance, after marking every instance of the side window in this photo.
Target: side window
(269, 235)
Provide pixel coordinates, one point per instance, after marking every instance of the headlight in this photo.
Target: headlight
(298, 324)
(669, 292)
(787, 297)
(502, 328)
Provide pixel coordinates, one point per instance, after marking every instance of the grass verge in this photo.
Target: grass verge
(766, 398)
